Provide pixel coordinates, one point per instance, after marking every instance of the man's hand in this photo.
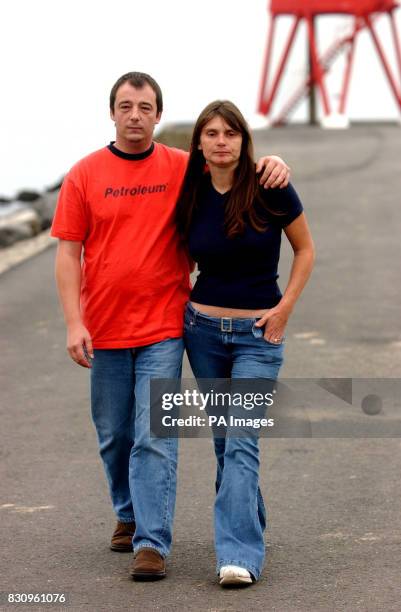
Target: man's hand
(274, 320)
(275, 174)
(79, 342)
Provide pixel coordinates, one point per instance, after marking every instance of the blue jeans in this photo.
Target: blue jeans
(141, 471)
(234, 349)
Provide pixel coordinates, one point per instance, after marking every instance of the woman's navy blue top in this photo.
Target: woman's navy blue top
(239, 272)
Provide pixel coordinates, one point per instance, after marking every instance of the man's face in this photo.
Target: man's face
(220, 143)
(135, 116)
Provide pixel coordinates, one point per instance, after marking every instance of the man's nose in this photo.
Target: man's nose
(134, 115)
(221, 141)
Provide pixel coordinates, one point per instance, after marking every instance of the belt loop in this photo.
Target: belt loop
(229, 322)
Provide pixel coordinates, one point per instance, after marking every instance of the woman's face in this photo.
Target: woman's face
(220, 143)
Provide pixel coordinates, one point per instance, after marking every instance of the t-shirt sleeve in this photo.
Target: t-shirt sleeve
(70, 220)
(181, 159)
(286, 202)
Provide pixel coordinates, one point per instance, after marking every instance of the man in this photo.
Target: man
(124, 307)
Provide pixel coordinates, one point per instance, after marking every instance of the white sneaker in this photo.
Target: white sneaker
(232, 574)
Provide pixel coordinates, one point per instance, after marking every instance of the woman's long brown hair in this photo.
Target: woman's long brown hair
(240, 207)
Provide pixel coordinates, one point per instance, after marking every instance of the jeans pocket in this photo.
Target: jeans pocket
(258, 333)
(280, 343)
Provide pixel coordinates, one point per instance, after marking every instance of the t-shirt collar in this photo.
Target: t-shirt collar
(208, 182)
(131, 156)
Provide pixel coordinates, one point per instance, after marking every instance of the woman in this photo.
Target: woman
(236, 319)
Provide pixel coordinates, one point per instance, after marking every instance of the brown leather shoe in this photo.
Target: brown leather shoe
(148, 564)
(121, 540)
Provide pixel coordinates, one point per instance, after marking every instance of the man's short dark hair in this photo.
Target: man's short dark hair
(138, 80)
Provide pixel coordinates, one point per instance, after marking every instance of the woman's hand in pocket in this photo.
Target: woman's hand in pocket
(274, 322)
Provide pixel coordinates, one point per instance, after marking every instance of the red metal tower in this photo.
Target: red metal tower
(364, 12)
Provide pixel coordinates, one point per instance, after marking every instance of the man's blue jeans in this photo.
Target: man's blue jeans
(141, 471)
(240, 515)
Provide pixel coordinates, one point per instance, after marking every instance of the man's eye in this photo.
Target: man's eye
(147, 109)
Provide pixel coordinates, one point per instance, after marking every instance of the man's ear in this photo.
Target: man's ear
(158, 117)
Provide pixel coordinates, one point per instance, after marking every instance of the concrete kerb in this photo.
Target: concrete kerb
(24, 249)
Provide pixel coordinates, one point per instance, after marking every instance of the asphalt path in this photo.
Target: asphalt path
(334, 506)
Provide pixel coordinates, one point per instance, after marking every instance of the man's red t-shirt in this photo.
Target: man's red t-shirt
(135, 272)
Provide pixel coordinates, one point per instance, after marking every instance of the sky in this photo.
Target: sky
(59, 60)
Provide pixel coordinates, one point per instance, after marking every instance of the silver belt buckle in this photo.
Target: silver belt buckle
(223, 322)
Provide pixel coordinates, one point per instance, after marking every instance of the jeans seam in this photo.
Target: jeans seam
(168, 488)
(166, 521)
